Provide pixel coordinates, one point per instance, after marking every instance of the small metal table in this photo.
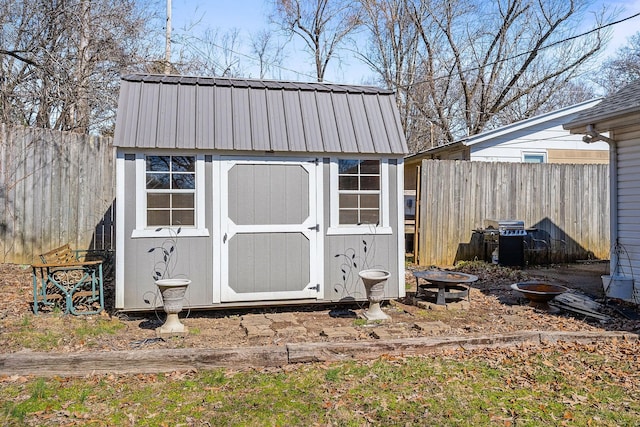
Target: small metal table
(450, 284)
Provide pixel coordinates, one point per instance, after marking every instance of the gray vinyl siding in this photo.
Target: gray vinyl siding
(195, 257)
(345, 254)
(341, 270)
(281, 264)
(140, 291)
(629, 200)
(619, 114)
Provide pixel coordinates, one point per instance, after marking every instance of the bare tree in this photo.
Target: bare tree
(212, 53)
(60, 62)
(167, 39)
(481, 64)
(323, 25)
(623, 67)
(500, 57)
(393, 54)
(267, 51)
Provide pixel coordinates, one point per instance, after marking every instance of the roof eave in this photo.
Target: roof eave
(434, 150)
(532, 121)
(579, 126)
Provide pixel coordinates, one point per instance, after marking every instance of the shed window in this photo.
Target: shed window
(359, 191)
(359, 196)
(170, 183)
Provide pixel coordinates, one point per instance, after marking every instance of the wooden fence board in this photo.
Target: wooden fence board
(569, 204)
(55, 188)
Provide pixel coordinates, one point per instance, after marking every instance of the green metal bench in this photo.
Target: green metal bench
(64, 279)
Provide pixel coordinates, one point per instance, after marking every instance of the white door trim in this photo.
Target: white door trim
(228, 229)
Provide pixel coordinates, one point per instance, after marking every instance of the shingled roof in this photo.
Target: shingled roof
(624, 102)
(180, 112)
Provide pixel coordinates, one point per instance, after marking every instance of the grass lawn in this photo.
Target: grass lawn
(566, 384)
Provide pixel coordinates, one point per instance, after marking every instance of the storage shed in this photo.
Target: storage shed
(281, 191)
(619, 115)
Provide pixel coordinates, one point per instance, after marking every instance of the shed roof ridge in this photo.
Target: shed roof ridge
(254, 83)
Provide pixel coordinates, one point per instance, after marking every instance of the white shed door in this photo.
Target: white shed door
(269, 230)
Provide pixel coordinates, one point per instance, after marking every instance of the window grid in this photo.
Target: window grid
(359, 192)
(170, 187)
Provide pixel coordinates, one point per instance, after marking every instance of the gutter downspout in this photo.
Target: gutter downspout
(592, 136)
(613, 201)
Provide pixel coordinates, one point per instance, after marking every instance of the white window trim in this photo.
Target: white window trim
(534, 153)
(335, 228)
(120, 239)
(142, 230)
(400, 224)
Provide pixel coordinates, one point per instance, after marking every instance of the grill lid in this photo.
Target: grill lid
(511, 228)
(512, 224)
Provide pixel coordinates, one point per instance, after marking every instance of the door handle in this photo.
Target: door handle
(224, 238)
(315, 227)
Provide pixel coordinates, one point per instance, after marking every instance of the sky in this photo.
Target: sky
(622, 31)
(250, 16)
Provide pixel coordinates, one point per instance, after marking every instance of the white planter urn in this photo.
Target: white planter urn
(172, 292)
(374, 281)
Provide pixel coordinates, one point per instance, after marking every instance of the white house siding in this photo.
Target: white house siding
(511, 147)
(629, 200)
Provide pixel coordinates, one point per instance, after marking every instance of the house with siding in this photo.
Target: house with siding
(616, 121)
(539, 139)
(281, 191)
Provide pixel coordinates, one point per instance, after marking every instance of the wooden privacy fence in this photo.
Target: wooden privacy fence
(59, 187)
(55, 188)
(566, 204)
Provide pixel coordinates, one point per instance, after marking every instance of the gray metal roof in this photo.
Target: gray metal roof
(179, 112)
(625, 101)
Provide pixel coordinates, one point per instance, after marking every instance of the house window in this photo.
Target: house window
(359, 192)
(534, 157)
(170, 183)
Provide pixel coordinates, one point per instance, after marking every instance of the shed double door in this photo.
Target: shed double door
(269, 230)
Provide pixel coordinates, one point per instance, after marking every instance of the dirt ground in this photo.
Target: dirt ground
(493, 307)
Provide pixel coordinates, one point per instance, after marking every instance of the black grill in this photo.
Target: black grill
(511, 243)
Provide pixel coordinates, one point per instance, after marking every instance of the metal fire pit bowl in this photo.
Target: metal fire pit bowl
(446, 284)
(539, 293)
